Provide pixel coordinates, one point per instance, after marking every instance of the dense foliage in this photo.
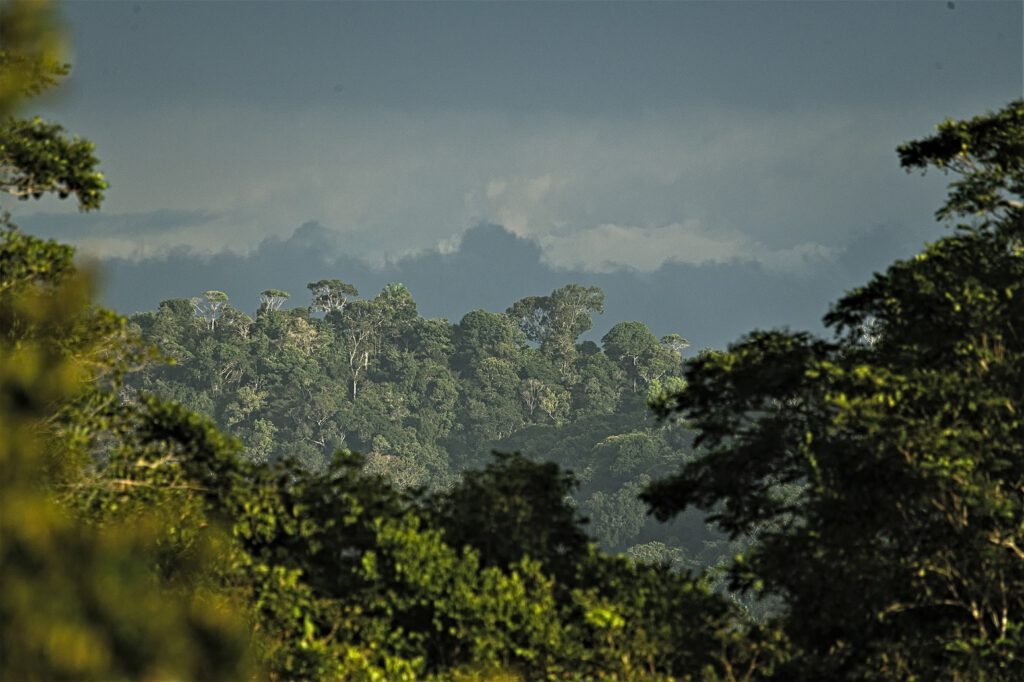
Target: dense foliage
(884, 468)
(424, 399)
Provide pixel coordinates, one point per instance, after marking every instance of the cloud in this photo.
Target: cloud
(696, 183)
(123, 225)
(710, 302)
(524, 205)
(611, 247)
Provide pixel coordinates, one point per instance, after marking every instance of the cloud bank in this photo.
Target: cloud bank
(710, 302)
(690, 185)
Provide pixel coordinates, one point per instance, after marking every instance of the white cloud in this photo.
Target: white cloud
(495, 188)
(610, 247)
(522, 205)
(693, 186)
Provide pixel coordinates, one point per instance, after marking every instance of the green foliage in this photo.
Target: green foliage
(273, 299)
(26, 260)
(422, 399)
(82, 597)
(881, 472)
(986, 153)
(640, 355)
(481, 334)
(37, 158)
(331, 295)
(557, 320)
(511, 509)
(872, 485)
(87, 594)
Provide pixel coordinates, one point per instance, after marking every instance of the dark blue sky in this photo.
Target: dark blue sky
(616, 137)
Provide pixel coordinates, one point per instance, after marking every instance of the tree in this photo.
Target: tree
(555, 321)
(37, 158)
(532, 391)
(481, 334)
(492, 401)
(365, 325)
(399, 309)
(515, 508)
(600, 386)
(639, 353)
(273, 299)
(358, 323)
(675, 342)
(82, 597)
(884, 475)
(986, 156)
(32, 53)
(627, 343)
(331, 295)
(210, 306)
(25, 259)
(137, 543)
(616, 517)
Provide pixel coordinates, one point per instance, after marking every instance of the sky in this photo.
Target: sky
(715, 166)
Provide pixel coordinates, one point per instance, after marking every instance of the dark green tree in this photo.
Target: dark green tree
(482, 334)
(515, 508)
(882, 471)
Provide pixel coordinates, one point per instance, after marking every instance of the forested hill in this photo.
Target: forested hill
(424, 399)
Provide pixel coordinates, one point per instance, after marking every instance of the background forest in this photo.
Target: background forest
(179, 496)
(423, 400)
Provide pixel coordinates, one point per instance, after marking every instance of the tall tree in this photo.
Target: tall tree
(639, 353)
(210, 306)
(331, 295)
(481, 334)
(364, 324)
(273, 299)
(556, 321)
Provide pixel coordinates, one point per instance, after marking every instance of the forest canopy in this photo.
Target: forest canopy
(180, 494)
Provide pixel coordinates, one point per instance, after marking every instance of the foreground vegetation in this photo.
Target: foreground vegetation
(878, 474)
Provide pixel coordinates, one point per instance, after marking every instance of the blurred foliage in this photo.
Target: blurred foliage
(31, 51)
(81, 598)
(37, 158)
